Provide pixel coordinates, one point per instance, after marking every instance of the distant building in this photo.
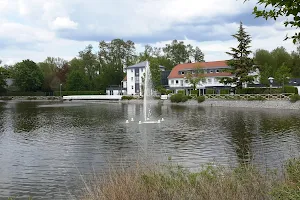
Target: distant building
(132, 83)
(213, 71)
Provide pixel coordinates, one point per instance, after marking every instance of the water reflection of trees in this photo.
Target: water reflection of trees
(240, 128)
(2, 117)
(25, 116)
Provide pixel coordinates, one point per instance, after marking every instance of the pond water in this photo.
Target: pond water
(45, 148)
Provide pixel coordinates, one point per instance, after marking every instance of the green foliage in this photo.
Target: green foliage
(195, 92)
(162, 91)
(17, 93)
(224, 91)
(283, 74)
(77, 81)
(290, 89)
(28, 76)
(209, 91)
(69, 93)
(241, 65)
(5, 98)
(177, 98)
(257, 98)
(294, 98)
(178, 53)
(259, 91)
(195, 77)
(3, 76)
(181, 92)
(169, 92)
(155, 73)
(273, 9)
(127, 97)
(201, 99)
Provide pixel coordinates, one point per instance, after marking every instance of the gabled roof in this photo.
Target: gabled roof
(204, 65)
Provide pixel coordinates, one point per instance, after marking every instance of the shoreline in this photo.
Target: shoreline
(269, 104)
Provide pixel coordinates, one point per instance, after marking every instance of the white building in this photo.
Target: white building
(133, 80)
(213, 71)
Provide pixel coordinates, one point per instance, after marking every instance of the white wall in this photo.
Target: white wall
(131, 81)
(209, 82)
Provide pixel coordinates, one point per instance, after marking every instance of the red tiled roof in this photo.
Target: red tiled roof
(125, 78)
(209, 65)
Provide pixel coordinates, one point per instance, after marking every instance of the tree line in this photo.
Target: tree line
(95, 70)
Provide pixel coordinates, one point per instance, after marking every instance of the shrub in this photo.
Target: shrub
(257, 98)
(181, 92)
(127, 97)
(162, 91)
(6, 98)
(31, 98)
(195, 92)
(294, 98)
(209, 91)
(67, 93)
(169, 91)
(290, 89)
(176, 98)
(201, 99)
(224, 91)
(25, 94)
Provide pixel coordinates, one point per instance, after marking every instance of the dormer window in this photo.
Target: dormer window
(217, 71)
(211, 71)
(182, 73)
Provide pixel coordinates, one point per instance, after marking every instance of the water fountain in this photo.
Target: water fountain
(148, 96)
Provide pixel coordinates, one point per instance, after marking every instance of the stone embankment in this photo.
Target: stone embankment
(30, 98)
(272, 104)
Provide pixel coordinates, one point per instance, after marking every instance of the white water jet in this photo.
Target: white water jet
(147, 92)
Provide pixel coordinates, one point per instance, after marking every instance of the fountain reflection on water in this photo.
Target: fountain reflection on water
(148, 97)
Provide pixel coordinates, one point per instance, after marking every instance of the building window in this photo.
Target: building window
(132, 87)
(209, 80)
(172, 82)
(131, 78)
(176, 81)
(131, 70)
(217, 71)
(182, 73)
(211, 71)
(141, 69)
(186, 81)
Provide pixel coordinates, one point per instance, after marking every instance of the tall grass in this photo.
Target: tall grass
(210, 183)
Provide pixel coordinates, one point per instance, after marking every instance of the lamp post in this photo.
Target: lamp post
(60, 89)
(271, 79)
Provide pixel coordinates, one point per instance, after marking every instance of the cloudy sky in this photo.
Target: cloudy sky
(35, 29)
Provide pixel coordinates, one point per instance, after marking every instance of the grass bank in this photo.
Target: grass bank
(211, 183)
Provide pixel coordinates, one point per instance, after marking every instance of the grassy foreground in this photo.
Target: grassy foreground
(211, 183)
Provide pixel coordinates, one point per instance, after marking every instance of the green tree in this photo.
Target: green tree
(283, 74)
(264, 61)
(198, 55)
(90, 64)
(240, 64)
(113, 57)
(195, 76)
(295, 55)
(3, 76)
(273, 9)
(155, 73)
(28, 76)
(77, 81)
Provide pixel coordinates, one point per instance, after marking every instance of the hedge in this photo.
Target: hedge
(181, 92)
(209, 91)
(201, 99)
(287, 89)
(26, 94)
(178, 98)
(224, 91)
(67, 93)
(195, 92)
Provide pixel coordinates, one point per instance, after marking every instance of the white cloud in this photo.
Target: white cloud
(64, 23)
(39, 24)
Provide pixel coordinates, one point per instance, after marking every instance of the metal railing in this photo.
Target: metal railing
(283, 96)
